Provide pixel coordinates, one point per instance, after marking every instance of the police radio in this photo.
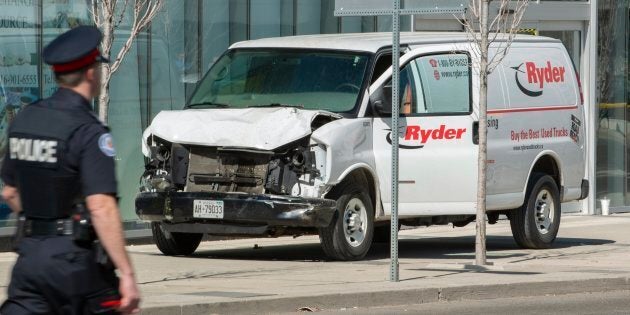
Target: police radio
(82, 229)
(19, 232)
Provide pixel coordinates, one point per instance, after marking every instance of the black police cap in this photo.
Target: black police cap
(74, 49)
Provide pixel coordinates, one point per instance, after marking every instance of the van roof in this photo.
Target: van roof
(369, 42)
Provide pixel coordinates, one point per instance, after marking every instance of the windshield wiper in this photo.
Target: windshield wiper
(278, 105)
(207, 104)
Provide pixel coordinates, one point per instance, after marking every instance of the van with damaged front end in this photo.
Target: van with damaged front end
(292, 135)
(250, 154)
(262, 185)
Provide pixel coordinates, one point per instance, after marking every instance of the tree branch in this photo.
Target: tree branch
(93, 9)
(143, 12)
(108, 16)
(121, 17)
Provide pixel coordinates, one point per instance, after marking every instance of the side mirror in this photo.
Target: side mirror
(381, 100)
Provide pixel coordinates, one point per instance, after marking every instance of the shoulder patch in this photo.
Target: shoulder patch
(106, 144)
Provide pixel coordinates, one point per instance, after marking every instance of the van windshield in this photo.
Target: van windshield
(320, 80)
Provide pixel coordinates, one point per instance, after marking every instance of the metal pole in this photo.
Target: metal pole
(393, 267)
(592, 107)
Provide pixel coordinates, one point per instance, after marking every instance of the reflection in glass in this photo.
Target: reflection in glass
(308, 79)
(613, 143)
(19, 81)
(59, 17)
(572, 40)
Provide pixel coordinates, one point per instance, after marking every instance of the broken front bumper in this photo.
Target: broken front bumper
(270, 210)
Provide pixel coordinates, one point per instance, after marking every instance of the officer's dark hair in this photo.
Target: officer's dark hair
(71, 79)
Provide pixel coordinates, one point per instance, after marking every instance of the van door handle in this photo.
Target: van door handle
(475, 132)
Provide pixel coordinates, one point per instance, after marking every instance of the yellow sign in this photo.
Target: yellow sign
(528, 31)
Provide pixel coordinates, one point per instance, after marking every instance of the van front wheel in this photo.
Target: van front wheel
(174, 244)
(535, 225)
(349, 235)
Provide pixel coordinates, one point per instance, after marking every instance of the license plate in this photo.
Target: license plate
(208, 209)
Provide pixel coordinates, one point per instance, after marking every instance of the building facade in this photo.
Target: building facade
(168, 59)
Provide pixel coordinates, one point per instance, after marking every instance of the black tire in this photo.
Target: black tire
(529, 228)
(333, 237)
(174, 244)
(383, 233)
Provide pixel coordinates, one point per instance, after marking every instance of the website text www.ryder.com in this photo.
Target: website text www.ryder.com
(527, 147)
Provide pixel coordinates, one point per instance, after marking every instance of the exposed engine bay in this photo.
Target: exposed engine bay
(176, 167)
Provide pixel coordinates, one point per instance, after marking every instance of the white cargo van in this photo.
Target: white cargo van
(290, 135)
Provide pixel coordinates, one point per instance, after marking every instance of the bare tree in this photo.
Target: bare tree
(483, 31)
(108, 16)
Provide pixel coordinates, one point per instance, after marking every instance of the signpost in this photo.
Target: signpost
(394, 8)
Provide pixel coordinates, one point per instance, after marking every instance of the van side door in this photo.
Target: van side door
(437, 149)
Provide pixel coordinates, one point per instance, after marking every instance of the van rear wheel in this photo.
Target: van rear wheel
(535, 225)
(349, 235)
(174, 244)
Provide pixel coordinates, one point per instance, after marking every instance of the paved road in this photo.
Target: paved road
(269, 275)
(617, 302)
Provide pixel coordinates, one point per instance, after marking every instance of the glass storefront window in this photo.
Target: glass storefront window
(613, 86)
(572, 40)
(167, 61)
(215, 29)
(58, 17)
(128, 95)
(19, 64)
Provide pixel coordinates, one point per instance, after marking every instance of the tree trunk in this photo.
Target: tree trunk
(480, 241)
(103, 98)
(106, 48)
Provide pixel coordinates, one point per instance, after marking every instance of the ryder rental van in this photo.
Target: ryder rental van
(293, 135)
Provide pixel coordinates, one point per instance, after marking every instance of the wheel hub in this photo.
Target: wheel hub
(355, 222)
(544, 211)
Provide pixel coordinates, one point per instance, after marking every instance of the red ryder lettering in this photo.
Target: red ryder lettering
(546, 74)
(418, 133)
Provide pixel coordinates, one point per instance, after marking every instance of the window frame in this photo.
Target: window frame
(470, 94)
(351, 113)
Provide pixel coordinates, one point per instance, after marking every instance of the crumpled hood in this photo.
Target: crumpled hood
(257, 128)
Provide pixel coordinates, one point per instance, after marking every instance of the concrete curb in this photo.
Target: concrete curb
(398, 297)
(132, 237)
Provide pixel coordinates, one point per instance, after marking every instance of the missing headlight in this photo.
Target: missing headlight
(286, 169)
(166, 168)
(161, 153)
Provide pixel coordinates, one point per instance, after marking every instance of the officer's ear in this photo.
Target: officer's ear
(93, 74)
(90, 74)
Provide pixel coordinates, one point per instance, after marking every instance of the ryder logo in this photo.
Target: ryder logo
(538, 76)
(419, 136)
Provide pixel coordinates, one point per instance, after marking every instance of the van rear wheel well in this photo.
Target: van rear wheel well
(547, 165)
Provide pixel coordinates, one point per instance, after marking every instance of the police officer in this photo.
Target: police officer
(61, 158)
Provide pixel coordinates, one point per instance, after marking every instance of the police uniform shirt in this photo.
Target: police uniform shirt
(90, 150)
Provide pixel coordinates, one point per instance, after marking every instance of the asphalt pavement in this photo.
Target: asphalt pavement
(258, 276)
(616, 302)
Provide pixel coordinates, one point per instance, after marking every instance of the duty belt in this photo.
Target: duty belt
(48, 227)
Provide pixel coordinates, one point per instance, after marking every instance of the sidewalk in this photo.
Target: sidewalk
(592, 254)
